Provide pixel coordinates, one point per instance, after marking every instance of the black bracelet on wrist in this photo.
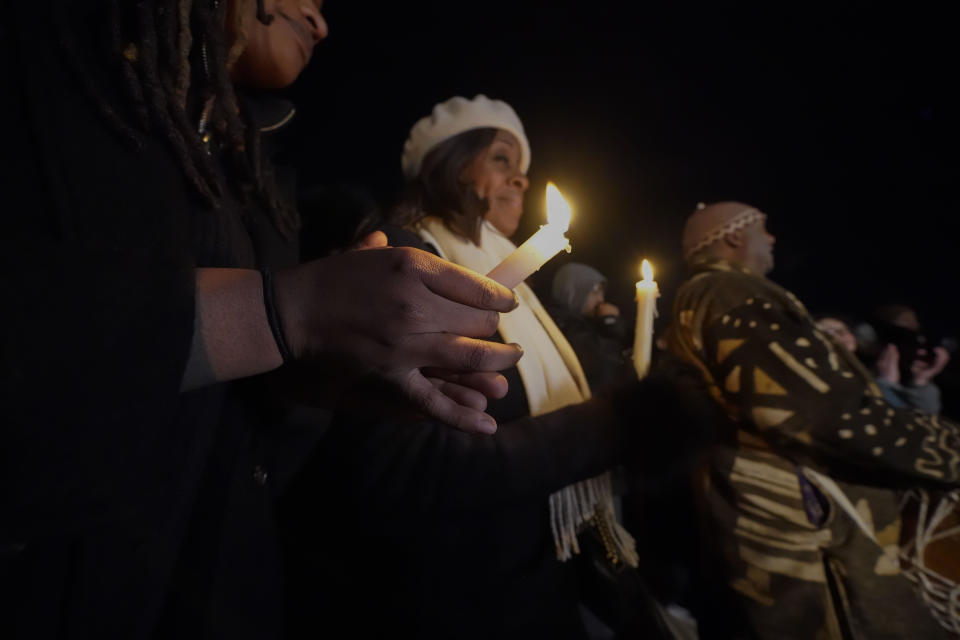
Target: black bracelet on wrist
(273, 318)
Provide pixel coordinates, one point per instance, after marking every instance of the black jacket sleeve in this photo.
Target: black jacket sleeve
(391, 458)
(96, 280)
(396, 458)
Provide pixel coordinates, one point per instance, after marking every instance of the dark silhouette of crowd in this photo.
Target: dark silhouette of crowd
(239, 406)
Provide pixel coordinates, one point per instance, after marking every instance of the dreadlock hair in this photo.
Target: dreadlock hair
(157, 46)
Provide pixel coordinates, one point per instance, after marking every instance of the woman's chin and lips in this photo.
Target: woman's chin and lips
(505, 212)
(276, 54)
(308, 31)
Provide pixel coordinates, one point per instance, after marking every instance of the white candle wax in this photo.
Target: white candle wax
(540, 247)
(647, 294)
(530, 256)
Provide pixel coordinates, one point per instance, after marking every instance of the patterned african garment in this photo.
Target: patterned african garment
(802, 497)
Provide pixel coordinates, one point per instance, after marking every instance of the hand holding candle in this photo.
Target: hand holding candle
(647, 294)
(543, 245)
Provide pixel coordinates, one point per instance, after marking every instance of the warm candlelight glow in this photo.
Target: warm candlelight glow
(558, 209)
(646, 270)
(540, 247)
(647, 293)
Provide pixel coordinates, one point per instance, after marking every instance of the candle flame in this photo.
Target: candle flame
(646, 270)
(558, 210)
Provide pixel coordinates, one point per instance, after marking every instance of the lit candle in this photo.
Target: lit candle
(647, 294)
(543, 245)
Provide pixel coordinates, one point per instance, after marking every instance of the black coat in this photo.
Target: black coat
(600, 345)
(400, 527)
(127, 509)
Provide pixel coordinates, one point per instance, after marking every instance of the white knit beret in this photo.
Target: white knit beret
(455, 116)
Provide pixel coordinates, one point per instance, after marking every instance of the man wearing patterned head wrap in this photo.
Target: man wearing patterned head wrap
(732, 231)
(798, 493)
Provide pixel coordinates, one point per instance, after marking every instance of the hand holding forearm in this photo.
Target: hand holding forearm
(392, 312)
(387, 312)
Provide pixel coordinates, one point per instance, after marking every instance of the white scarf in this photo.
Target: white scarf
(552, 378)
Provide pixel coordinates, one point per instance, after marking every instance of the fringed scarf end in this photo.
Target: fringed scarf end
(583, 502)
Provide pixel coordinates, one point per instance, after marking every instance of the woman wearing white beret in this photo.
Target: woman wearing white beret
(460, 536)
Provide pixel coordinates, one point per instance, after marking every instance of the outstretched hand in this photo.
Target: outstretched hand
(923, 372)
(396, 312)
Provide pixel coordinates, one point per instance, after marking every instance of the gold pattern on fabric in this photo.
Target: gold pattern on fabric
(809, 571)
(795, 516)
(819, 538)
(726, 347)
(929, 465)
(946, 443)
(758, 513)
(760, 484)
(808, 376)
(888, 563)
(832, 357)
(759, 577)
(750, 590)
(768, 473)
(866, 514)
(763, 383)
(767, 417)
(773, 543)
(890, 534)
(732, 383)
(751, 441)
(830, 411)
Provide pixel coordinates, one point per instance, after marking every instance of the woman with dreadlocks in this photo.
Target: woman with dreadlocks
(149, 274)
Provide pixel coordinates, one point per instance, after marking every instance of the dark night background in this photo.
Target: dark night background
(838, 120)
